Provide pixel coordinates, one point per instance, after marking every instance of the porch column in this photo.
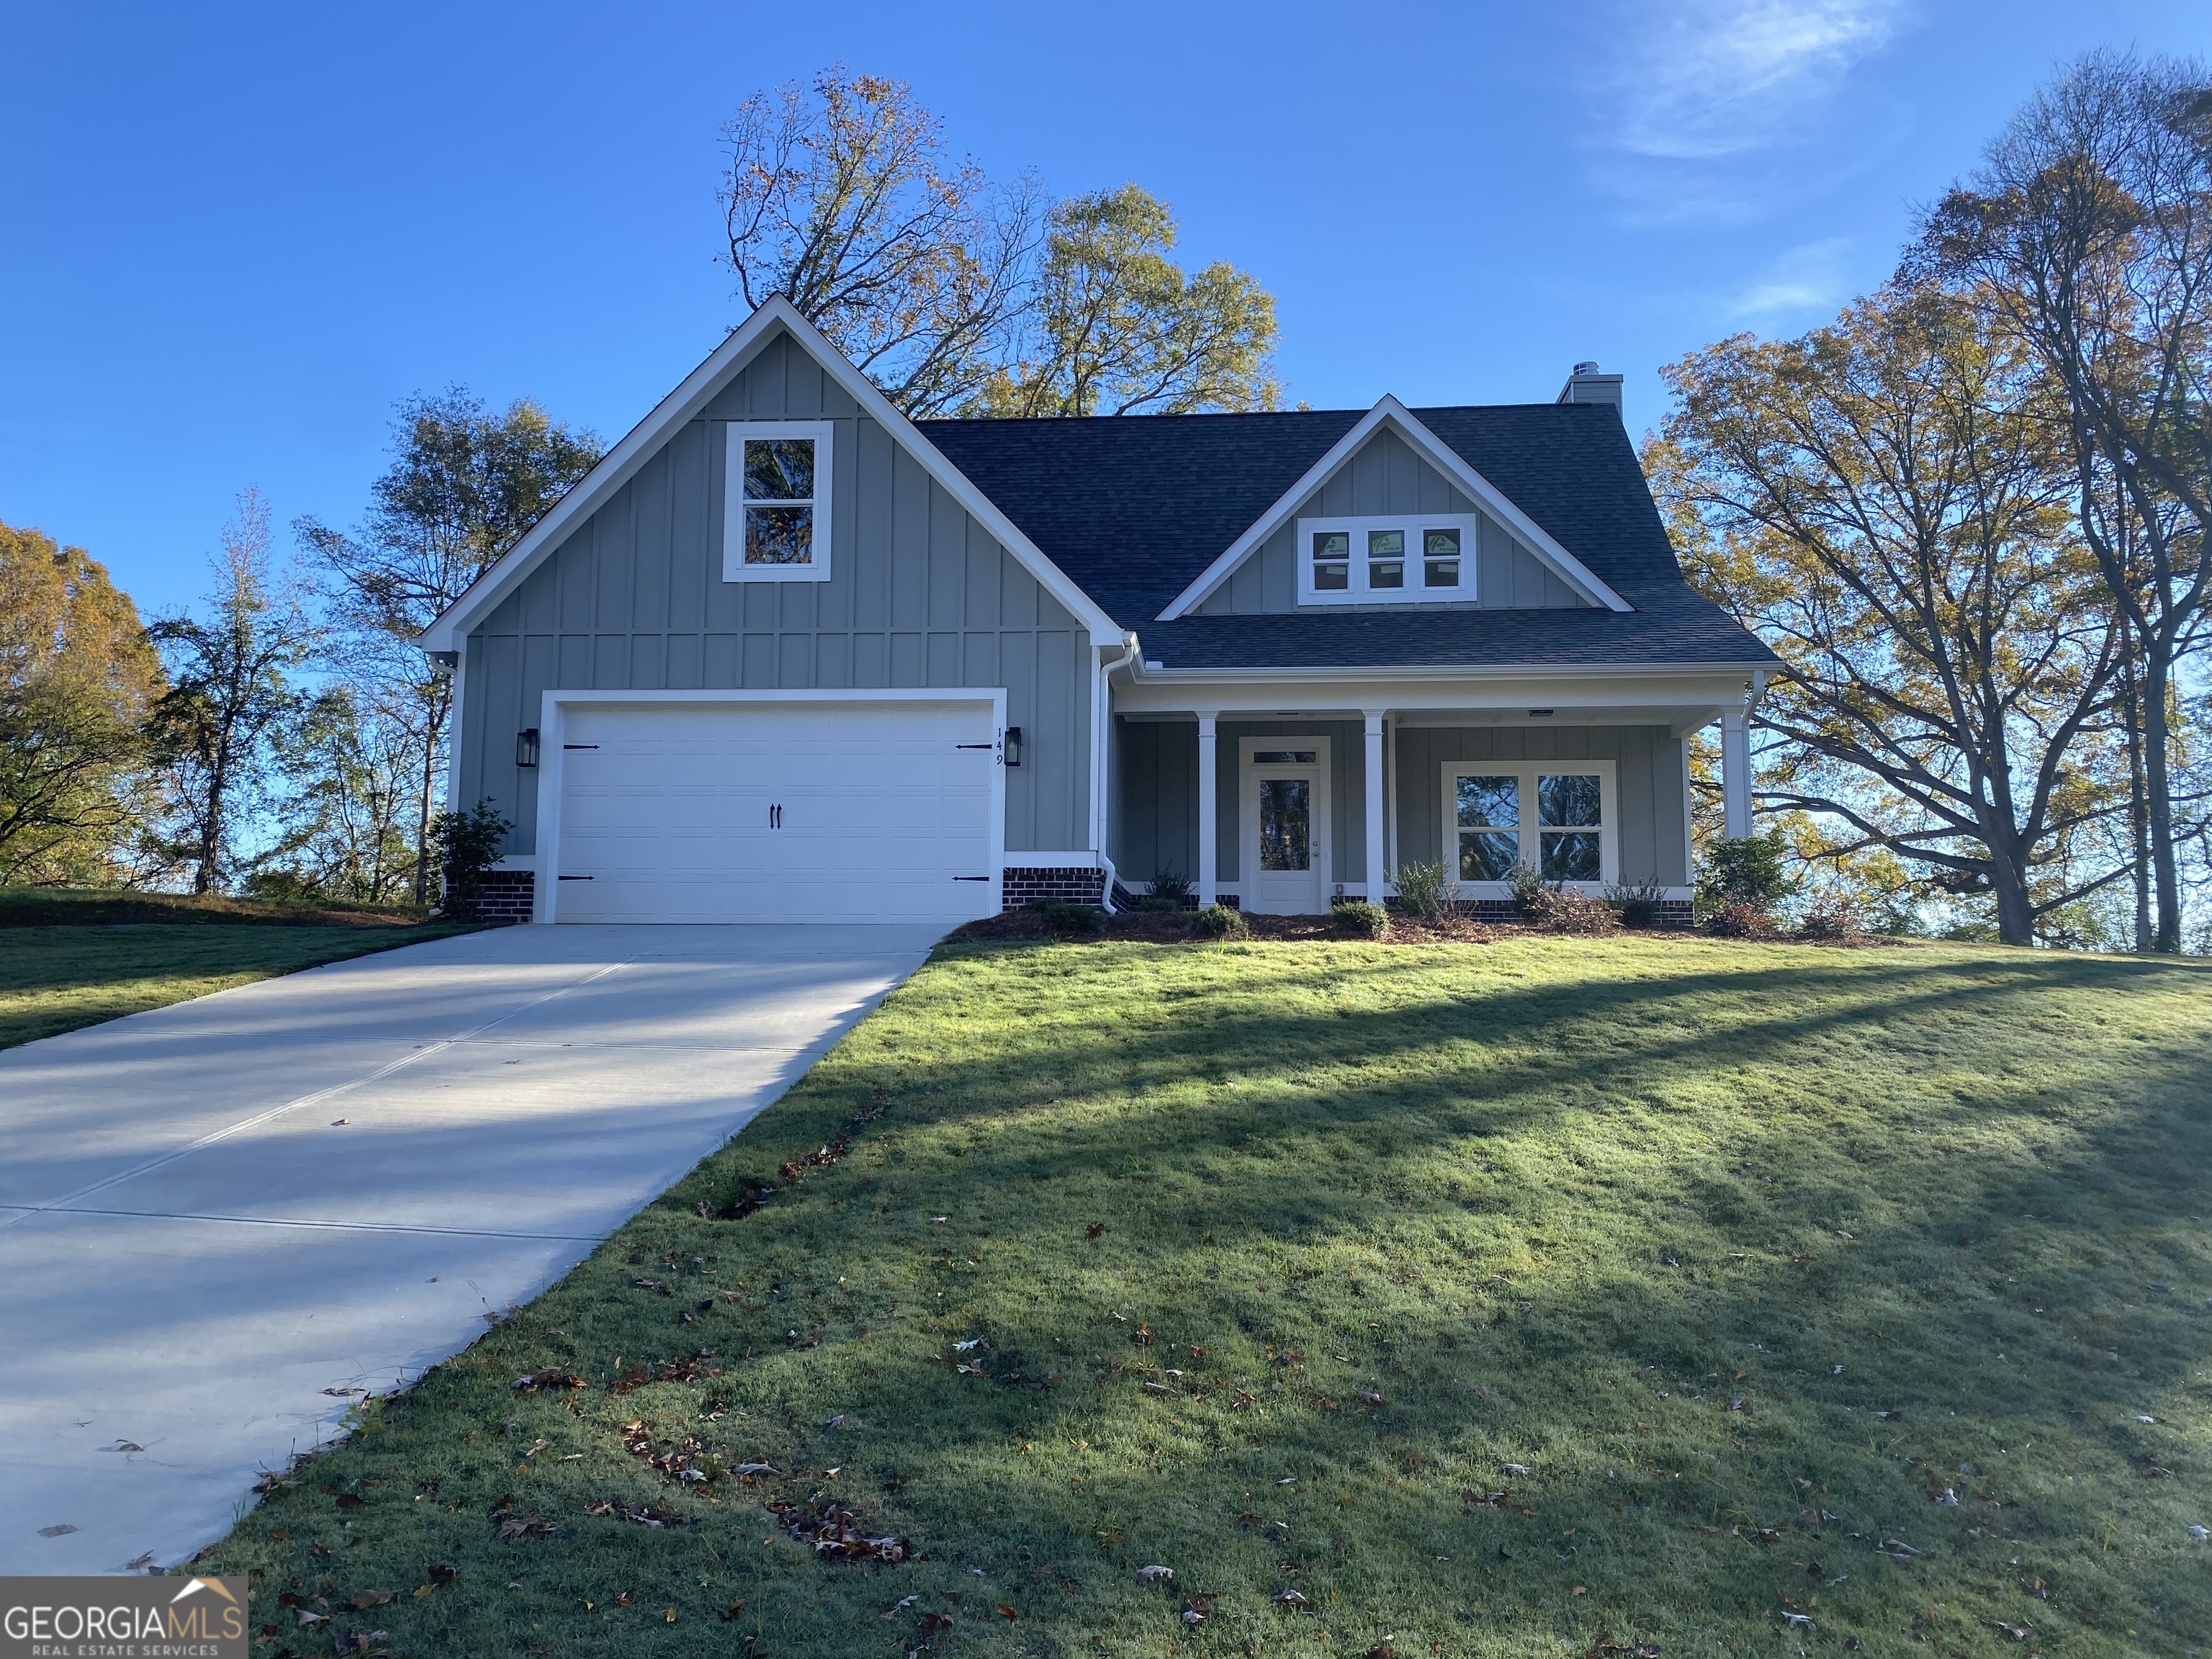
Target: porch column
(1374, 781)
(1209, 783)
(1735, 772)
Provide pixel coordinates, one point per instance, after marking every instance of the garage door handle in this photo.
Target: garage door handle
(975, 745)
(956, 877)
(575, 877)
(580, 745)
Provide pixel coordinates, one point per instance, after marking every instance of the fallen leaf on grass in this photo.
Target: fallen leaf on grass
(1007, 1612)
(1158, 1387)
(1289, 1598)
(343, 1393)
(1369, 1396)
(899, 1607)
(308, 1619)
(731, 1611)
(831, 1530)
(1516, 1469)
(349, 1500)
(552, 1377)
(2018, 1632)
(525, 1526)
(371, 1598)
(1094, 1229)
(1155, 1571)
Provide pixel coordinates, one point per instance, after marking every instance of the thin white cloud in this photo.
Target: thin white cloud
(1700, 80)
(1812, 277)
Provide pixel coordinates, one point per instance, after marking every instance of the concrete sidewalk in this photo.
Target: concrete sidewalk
(215, 1214)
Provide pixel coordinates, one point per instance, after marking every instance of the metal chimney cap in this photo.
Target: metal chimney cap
(1586, 368)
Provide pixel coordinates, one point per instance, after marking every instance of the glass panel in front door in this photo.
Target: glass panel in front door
(1286, 824)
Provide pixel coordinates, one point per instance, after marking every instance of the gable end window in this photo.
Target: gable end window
(776, 501)
(1402, 559)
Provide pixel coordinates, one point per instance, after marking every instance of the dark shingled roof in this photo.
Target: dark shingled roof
(1133, 507)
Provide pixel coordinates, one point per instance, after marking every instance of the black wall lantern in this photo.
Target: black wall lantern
(1012, 746)
(525, 748)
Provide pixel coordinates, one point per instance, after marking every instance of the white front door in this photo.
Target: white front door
(1284, 852)
(803, 812)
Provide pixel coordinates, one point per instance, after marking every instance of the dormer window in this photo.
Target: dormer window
(1397, 560)
(776, 501)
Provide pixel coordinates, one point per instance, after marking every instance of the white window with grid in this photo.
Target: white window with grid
(1556, 817)
(776, 501)
(1401, 559)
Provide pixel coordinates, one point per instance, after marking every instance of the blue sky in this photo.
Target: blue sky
(234, 237)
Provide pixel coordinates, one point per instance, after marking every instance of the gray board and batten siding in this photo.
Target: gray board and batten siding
(1156, 820)
(1386, 476)
(918, 595)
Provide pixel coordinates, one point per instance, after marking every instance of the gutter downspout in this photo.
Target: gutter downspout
(1104, 771)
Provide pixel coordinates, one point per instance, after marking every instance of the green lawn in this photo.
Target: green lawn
(57, 977)
(1496, 1299)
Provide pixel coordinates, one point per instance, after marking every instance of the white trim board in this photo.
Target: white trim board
(699, 388)
(1447, 460)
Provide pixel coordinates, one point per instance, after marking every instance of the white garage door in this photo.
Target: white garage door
(776, 813)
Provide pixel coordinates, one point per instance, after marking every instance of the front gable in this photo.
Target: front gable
(1391, 467)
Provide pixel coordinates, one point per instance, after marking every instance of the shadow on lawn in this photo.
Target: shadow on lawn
(1514, 1213)
(1911, 1299)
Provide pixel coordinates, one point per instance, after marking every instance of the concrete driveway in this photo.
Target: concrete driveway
(216, 1217)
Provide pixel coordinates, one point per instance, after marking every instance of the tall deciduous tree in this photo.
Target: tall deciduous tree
(232, 684)
(465, 485)
(1883, 503)
(77, 679)
(841, 197)
(1120, 329)
(2089, 228)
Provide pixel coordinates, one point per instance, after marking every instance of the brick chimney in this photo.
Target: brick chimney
(1587, 385)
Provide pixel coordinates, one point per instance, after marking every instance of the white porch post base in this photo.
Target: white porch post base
(1209, 875)
(1374, 782)
(1735, 773)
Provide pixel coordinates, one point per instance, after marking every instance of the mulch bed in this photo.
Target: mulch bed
(1173, 928)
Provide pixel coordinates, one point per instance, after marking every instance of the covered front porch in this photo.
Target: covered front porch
(1280, 795)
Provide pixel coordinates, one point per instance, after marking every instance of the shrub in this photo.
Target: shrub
(1639, 906)
(1572, 912)
(468, 846)
(1170, 884)
(1358, 918)
(1750, 868)
(1219, 922)
(1740, 919)
(1529, 891)
(1059, 916)
(1426, 890)
(1830, 920)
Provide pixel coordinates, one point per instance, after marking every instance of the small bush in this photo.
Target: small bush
(1740, 919)
(1059, 916)
(1640, 905)
(468, 846)
(1427, 891)
(1572, 912)
(1830, 920)
(1528, 889)
(1219, 922)
(1172, 885)
(1356, 918)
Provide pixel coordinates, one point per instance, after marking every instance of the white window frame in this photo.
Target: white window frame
(1468, 525)
(1609, 832)
(734, 568)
